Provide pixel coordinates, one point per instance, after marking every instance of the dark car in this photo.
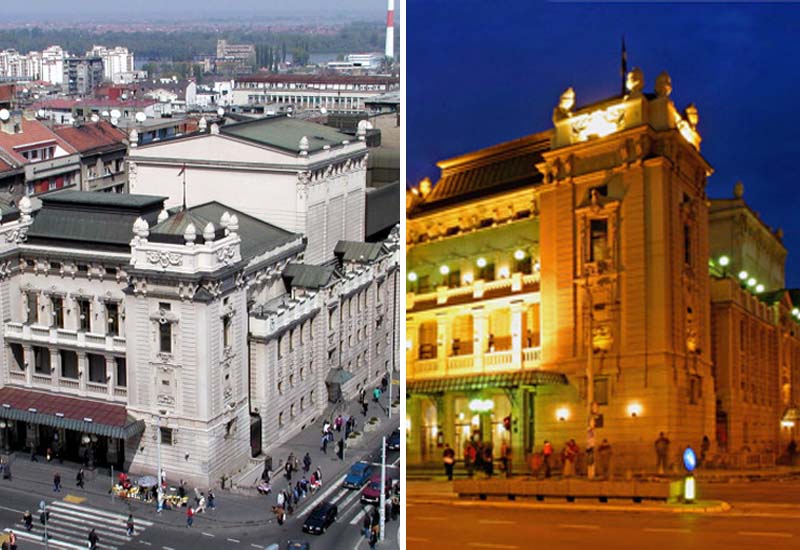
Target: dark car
(359, 474)
(320, 518)
(393, 443)
(372, 492)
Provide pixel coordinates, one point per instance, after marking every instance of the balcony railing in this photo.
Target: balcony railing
(465, 365)
(478, 290)
(34, 334)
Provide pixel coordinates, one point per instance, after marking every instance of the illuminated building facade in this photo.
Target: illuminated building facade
(562, 280)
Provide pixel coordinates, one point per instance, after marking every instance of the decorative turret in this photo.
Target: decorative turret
(202, 125)
(303, 145)
(25, 208)
(190, 235)
(225, 221)
(233, 224)
(208, 232)
(163, 215)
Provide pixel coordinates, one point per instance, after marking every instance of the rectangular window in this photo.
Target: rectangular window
(165, 331)
(41, 360)
(486, 272)
(122, 371)
(453, 279)
(226, 331)
(84, 315)
(166, 436)
(69, 364)
(112, 318)
(33, 308)
(18, 355)
(58, 311)
(687, 244)
(97, 368)
(598, 245)
(601, 391)
(695, 390)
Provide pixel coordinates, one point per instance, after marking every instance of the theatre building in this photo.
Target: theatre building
(562, 281)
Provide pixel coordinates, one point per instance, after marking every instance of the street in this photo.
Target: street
(451, 526)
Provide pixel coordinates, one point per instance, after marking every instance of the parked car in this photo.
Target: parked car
(393, 443)
(320, 518)
(359, 474)
(372, 492)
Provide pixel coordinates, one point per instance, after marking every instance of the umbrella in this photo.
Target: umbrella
(147, 481)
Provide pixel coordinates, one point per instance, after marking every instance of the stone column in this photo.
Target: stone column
(480, 336)
(442, 339)
(29, 364)
(83, 371)
(55, 366)
(516, 334)
(414, 419)
(448, 422)
(111, 376)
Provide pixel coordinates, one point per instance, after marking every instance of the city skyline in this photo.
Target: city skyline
(738, 103)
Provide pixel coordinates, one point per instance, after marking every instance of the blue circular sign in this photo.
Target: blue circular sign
(689, 459)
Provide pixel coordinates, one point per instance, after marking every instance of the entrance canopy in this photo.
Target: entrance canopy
(483, 381)
(70, 413)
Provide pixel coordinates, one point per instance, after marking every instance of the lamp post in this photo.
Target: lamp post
(3, 427)
(159, 490)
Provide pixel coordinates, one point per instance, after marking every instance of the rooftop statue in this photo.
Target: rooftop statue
(565, 105)
(663, 85)
(635, 82)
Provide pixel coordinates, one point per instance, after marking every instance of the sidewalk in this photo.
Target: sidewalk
(233, 510)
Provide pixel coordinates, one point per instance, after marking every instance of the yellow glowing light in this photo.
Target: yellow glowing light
(787, 423)
(408, 424)
(743, 275)
(409, 343)
(519, 254)
(468, 278)
(476, 420)
(481, 405)
(795, 312)
(724, 261)
(536, 265)
(444, 270)
(503, 272)
(434, 430)
(634, 410)
(562, 414)
(412, 276)
(481, 262)
(599, 123)
(461, 416)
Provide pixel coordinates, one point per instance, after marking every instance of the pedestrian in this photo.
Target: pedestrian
(12, 540)
(590, 444)
(385, 382)
(318, 473)
(395, 507)
(791, 450)
(362, 395)
(469, 457)
(604, 459)
(93, 540)
(57, 482)
(324, 443)
(129, 525)
(197, 495)
(449, 457)
(376, 394)
(79, 478)
(705, 446)
(49, 454)
(33, 454)
(662, 450)
(211, 500)
(488, 459)
(373, 538)
(189, 516)
(338, 423)
(27, 519)
(570, 454)
(306, 463)
(182, 490)
(287, 469)
(547, 453)
(366, 525)
(201, 506)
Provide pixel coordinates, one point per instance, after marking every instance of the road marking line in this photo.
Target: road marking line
(388, 465)
(234, 540)
(578, 526)
(335, 485)
(490, 545)
(666, 530)
(207, 534)
(94, 511)
(56, 542)
(348, 500)
(10, 509)
(167, 548)
(145, 542)
(766, 534)
(256, 546)
(496, 522)
(74, 499)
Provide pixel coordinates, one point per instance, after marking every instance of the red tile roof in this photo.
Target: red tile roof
(33, 131)
(6, 93)
(71, 407)
(68, 104)
(318, 79)
(91, 136)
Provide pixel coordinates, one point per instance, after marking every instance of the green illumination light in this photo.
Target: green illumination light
(751, 281)
(412, 276)
(759, 288)
(481, 262)
(795, 312)
(743, 275)
(519, 255)
(444, 270)
(724, 261)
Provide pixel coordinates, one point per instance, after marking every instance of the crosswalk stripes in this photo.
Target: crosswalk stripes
(69, 525)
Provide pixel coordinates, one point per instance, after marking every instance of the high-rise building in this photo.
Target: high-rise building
(82, 75)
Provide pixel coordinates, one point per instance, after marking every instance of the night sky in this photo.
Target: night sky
(480, 73)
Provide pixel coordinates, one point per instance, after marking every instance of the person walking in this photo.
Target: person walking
(79, 478)
(364, 407)
(12, 540)
(366, 525)
(129, 525)
(27, 519)
(324, 446)
(201, 506)
(547, 453)
(93, 540)
(705, 446)
(590, 458)
(212, 504)
(569, 455)
(470, 456)
(57, 483)
(373, 538)
(449, 457)
(662, 450)
(306, 463)
(189, 516)
(376, 394)
(488, 459)
(33, 454)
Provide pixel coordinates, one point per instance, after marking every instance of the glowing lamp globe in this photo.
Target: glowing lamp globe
(519, 255)
(444, 270)
(724, 261)
(412, 276)
(481, 262)
(743, 275)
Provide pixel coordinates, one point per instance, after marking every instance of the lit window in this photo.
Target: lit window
(598, 245)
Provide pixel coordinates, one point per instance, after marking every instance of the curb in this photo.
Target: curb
(711, 507)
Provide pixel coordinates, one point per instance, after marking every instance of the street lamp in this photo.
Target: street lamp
(3, 426)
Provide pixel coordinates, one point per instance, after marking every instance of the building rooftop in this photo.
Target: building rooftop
(285, 133)
(32, 131)
(90, 137)
(257, 236)
(69, 104)
(383, 208)
(309, 276)
(319, 79)
(353, 251)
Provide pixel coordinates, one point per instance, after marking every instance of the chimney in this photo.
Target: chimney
(390, 30)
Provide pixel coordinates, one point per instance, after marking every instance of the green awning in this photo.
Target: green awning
(338, 376)
(483, 381)
(132, 428)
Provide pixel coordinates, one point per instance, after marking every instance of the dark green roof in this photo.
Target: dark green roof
(383, 208)
(486, 381)
(285, 133)
(309, 276)
(352, 251)
(91, 219)
(257, 236)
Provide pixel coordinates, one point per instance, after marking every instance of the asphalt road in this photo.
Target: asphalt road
(71, 521)
(446, 526)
